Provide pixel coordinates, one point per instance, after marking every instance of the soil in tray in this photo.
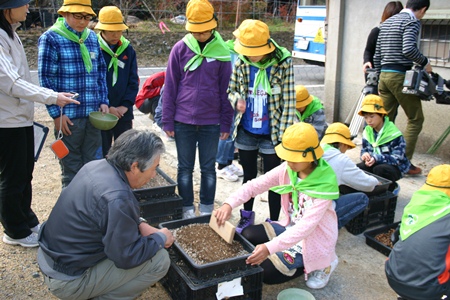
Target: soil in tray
(385, 238)
(157, 181)
(204, 245)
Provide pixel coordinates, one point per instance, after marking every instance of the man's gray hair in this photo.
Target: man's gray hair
(141, 146)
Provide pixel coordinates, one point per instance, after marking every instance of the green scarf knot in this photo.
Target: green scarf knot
(123, 44)
(216, 49)
(261, 75)
(387, 133)
(321, 183)
(60, 28)
(424, 208)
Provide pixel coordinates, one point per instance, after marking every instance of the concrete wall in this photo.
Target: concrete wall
(349, 23)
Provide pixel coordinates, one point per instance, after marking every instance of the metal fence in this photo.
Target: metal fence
(229, 12)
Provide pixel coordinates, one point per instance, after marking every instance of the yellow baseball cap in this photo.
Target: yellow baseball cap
(110, 18)
(338, 133)
(300, 143)
(253, 38)
(438, 179)
(303, 97)
(200, 16)
(372, 104)
(77, 6)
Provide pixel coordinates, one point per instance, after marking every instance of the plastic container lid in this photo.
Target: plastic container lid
(295, 294)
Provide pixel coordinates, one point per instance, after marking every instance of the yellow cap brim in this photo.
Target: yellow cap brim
(111, 27)
(432, 188)
(73, 9)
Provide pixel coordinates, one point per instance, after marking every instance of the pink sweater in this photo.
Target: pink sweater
(317, 231)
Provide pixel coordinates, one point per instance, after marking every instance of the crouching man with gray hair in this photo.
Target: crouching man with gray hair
(94, 244)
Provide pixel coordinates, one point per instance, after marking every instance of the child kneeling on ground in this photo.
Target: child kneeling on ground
(306, 239)
(383, 151)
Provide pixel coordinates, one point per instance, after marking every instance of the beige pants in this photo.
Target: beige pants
(106, 281)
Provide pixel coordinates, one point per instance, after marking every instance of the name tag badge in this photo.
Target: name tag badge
(93, 55)
(308, 204)
(121, 64)
(384, 149)
(209, 59)
(276, 90)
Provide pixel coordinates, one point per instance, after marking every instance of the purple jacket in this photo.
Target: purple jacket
(198, 97)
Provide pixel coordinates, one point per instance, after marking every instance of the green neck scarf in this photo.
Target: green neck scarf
(314, 106)
(230, 45)
(387, 133)
(215, 49)
(327, 147)
(321, 183)
(424, 208)
(60, 28)
(123, 44)
(261, 75)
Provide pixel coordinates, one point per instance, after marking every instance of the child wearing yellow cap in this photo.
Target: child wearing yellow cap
(306, 239)
(196, 109)
(262, 92)
(417, 267)
(383, 151)
(351, 179)
(310, 109)
(122, 77)
(70, 58)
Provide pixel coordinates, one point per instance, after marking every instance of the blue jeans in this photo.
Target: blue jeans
(225, 149)
(349, 206)
(187, 139)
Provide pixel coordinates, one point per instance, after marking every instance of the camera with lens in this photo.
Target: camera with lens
(426, 86)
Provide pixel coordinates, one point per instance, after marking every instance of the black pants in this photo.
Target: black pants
(107, 135)
(249, 162)
(16, 173)
(389, 172)
(256, 235)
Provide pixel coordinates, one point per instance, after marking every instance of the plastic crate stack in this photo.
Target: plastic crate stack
(381, 210)
(160, 204)
(181, 283)
(188, 280)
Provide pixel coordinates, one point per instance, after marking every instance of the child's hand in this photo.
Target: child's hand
(258, 255)
(365, 157)
(371, 161)
(222, 214)
(240, 106)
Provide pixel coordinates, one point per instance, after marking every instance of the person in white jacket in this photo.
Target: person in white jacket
(336, 141)
(17, 97)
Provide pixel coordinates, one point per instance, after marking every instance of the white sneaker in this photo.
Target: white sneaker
(36, 228)
(319, 279)
(227, 174)
(189, 214)
(29, 241)
(236, 170)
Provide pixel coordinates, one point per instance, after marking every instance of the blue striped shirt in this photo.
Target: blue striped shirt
(61, 68)
(397, 48)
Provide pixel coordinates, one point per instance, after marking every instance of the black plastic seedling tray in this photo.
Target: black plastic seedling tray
(374, 243)
(158, 191)
(218, 268)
